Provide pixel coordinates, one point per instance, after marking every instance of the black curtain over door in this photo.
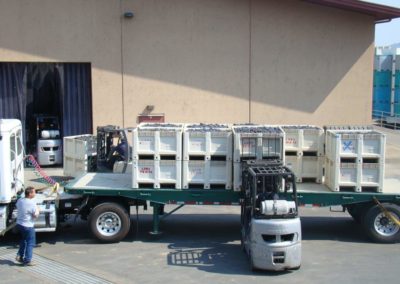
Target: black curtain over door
(57, 89)
(13, 78)
(76, 88)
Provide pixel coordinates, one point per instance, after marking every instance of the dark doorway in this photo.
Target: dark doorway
(61, 90)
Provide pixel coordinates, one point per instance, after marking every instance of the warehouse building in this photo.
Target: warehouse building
(98, 62)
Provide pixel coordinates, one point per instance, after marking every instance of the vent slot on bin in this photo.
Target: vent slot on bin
(348, 160)
(146, 185)
(218, 158)
(217, 186)
(146, 157)
(196, 158)
(167, 185)
(168, 157)
(310, 153)
(370, 160)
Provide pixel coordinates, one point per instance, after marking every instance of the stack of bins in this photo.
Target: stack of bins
(255, 142)
(382, 85)
(80, 154)
(157, 156)
(397, 85)
(207, 156)
(304, 152)
(355, 160)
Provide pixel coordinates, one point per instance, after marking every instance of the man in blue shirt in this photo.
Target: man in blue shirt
(27, 212)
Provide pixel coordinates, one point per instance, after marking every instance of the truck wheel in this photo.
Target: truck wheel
(109, 222)
(380, 228)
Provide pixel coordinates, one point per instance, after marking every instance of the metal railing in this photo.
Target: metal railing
(385, 119)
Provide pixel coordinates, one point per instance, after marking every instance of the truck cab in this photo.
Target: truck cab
(11, 165)
(11, 159)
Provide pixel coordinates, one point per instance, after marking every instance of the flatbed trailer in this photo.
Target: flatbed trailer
(107, 198)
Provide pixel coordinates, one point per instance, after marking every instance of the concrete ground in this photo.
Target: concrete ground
(201, 244)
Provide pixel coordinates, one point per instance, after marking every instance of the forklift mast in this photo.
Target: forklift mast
(266, 180)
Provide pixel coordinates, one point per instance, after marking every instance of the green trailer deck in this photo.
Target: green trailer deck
(309, 194)
(112, 188)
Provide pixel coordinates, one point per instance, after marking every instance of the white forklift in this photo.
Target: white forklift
(271, 229)
(48, 141)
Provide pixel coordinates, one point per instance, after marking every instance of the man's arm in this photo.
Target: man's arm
(34, 210)
(36, 213)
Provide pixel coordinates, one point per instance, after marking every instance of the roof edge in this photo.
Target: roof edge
(378, 11)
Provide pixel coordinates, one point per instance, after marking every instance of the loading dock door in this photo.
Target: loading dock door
(62, 89)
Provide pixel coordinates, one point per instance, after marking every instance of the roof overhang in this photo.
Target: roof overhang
(381, 13)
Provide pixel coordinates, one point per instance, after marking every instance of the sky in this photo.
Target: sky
(387, 33)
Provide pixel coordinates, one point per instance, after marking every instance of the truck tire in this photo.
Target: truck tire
(109, 222)
(380, 228)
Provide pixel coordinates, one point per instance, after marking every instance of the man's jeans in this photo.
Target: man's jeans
(28, 241)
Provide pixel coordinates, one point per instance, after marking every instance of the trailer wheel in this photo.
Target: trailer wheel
(379, 227)
(109, 222)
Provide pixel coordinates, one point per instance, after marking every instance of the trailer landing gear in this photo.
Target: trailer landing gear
(157, 207)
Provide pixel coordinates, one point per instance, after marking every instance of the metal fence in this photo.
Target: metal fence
(385, 119)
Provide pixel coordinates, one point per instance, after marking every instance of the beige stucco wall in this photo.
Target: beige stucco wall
(69, 31)
(310, 64)
(201, 60)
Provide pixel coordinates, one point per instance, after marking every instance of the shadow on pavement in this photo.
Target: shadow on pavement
(193, 228)
(8, 262)
(207, 242)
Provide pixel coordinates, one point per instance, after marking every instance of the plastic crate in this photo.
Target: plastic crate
(80, 153)
(373, 145)
(207, 174)
(207, 140)
(355, 144)
(80, 146)
(301, 138)
(156, 174)
(356, 177)
(156, 140)
(257, 142)
(77, 167)
(306, 168)
(372, 174)
(342, 175)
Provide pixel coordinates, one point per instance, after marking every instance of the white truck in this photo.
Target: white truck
(12, 182)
